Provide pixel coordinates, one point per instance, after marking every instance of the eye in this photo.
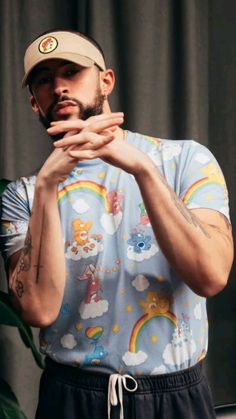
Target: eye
(45, 80)
(71, 71)
(42, 80)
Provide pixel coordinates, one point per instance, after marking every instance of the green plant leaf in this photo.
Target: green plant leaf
(9, 406)
(10, 317)
(3, 184)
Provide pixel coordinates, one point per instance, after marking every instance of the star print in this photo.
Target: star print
(116, 328)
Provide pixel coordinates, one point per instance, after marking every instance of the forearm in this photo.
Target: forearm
(37, 281)
(198, 251)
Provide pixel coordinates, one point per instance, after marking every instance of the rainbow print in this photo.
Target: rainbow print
(139, 325)
(195, 187)
(99, 191)
(94, 332)
(153, 140)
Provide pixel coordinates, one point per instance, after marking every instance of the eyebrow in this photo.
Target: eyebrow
(37, 70)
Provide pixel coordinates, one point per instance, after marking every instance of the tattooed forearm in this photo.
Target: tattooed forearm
(24, 264)
(38, 266)
(25, 258)
(189, 217)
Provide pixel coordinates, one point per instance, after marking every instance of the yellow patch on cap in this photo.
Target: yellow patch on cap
(48, 44)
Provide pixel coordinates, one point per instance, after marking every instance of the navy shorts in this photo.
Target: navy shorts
(69, 393)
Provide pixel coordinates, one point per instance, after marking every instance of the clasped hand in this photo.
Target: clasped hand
(97, 137)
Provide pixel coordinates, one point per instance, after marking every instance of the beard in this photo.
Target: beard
(84, 111)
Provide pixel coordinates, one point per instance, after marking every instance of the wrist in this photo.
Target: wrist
(146, 171)
(46, 183)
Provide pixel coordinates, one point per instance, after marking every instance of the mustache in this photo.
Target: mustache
(48, 117)
(84, 110)
(58, 100)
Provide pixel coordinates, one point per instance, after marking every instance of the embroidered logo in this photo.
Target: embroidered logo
(48, 44)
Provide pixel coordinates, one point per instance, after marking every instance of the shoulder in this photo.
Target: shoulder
(21, 189)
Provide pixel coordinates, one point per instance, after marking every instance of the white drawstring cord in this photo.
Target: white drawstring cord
(112, 393)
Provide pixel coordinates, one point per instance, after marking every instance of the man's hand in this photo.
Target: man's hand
(97, 138)
(87, 138)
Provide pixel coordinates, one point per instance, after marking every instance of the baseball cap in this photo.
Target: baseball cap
(71, 46)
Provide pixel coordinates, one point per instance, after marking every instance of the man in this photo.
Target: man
(112, 248)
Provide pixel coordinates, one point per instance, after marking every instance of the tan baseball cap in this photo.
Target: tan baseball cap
(65, 45)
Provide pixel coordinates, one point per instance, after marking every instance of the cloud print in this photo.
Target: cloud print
(154, 154)
(159, 370)
(76, 252)
(133, 358)
(68, 341)
(178, 355)
(80, 206)
(198, 311)
(181, 348)
(170, 150)
(140, 283)
(111, 222)
(92, 310)
(202, 158)
(145, 254)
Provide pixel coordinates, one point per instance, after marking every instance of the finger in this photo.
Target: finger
(102, 116)
(94, 123)
(57, 127)
(91, 119)
(76, 152)
(83, 154)
(95, 145)
(89, 139)
(101, 125)
(72, 138)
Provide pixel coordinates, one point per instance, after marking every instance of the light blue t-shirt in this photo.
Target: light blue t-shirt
(124, 308)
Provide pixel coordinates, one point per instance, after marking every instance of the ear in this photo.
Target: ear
(34, 104)
(107, 78)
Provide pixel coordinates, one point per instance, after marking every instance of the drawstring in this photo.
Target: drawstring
(113, 400)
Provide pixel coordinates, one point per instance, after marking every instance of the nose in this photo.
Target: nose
(60, 86)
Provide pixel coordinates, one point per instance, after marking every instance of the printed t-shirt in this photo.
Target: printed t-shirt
(124, 308)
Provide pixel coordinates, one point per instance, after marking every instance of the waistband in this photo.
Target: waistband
(99, 381)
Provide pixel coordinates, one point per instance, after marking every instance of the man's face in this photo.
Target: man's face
(62, 90)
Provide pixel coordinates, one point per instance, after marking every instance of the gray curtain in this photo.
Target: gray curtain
(175, 64)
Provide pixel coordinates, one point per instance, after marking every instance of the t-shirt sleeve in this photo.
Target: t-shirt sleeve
(202, 181)
(14, 218)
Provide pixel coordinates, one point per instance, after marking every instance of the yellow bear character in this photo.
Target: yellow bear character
(155, 304)
(81, 231)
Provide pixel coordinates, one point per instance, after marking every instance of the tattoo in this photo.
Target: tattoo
(19, 288)
(37, 267)
(189, 217)
(25, 259)
(24, 264)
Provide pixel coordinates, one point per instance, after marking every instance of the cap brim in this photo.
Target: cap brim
(74, 58)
